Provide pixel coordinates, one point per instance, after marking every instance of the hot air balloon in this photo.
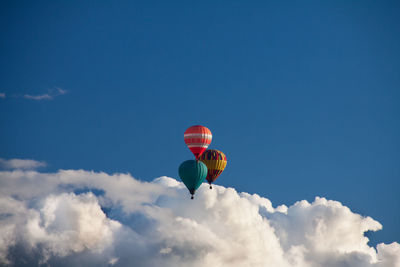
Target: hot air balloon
(192, 174)
(215, 161)
(197, 138)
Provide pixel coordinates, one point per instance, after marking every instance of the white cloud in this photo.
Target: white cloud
(54, 218)
(39, 97)
(2, 95)
(48, 96)
(61, 91)
(68, 223)
(24, 164)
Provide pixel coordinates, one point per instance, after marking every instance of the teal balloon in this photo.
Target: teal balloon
(192, 174)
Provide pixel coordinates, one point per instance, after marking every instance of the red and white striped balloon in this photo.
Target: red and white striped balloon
(197, 138)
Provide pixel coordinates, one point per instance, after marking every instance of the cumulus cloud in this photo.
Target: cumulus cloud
(82, 218)
(24, 164)
(47, 96)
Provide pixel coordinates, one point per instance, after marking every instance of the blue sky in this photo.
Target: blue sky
(302, 97)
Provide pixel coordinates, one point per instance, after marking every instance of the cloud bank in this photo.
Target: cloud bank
(82, 218)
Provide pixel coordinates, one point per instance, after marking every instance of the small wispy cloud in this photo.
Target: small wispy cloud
(24, 164)
(39, 97)
(2, 95)
(50, 95)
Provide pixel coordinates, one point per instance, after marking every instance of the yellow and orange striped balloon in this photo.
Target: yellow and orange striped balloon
(215, 161)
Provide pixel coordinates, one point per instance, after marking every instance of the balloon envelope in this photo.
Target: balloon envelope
(197, 138)
(215, 161)
(192, 174)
